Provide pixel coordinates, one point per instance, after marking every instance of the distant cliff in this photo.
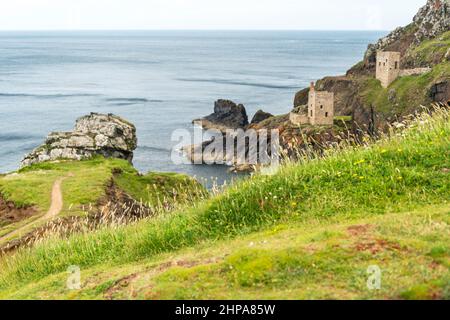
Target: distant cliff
(423, 43)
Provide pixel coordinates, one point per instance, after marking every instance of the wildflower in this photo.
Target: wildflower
(361, 178)
(383, 151)
(360, 162)
(294, 204)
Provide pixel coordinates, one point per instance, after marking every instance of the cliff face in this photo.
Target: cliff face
(423, 43)
(431, 21)
(95, 134)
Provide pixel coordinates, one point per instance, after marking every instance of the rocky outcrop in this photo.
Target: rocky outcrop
(440, 92)
(432, 20)
(94, 134)
(227, 115)
(260, 116)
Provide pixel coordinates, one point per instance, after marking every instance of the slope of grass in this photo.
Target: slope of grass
(405, 172)
(401, 96)
(317, 259)
(158, 188)
(86, 182)
(431, 51)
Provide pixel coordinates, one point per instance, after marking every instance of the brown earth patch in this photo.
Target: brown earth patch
(375, 246)
(120, 285)
(10, 213)
(359, 230)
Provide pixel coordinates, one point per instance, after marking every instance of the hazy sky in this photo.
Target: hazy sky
(206, 14)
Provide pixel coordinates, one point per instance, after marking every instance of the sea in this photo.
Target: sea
(158, 80)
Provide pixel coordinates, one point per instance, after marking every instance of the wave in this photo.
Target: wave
(17, 136)
(157, 149)
(46, 96)
(131, 101)
(240, 83)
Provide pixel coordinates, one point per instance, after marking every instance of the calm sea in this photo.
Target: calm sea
(159, 80)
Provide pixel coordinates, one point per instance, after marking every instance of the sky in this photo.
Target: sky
(206, 14)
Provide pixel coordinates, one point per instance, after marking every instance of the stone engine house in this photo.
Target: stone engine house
(388, 67)
(320, 110)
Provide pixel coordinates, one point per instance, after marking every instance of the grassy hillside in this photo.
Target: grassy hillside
(309, 231)
(85, 185)
(402, 95)
(406, 93)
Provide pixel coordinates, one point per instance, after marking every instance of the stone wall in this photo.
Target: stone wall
(298, 119)
(413, 72)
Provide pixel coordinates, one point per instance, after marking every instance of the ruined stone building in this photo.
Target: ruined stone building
(320, 109)
(389, 69)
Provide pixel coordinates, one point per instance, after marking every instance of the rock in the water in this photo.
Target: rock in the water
(227, 115)
(94, 134)
(261, 116)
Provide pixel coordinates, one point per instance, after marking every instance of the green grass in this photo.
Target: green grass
(157, 188)
(33, 185)
(406, 172)
(316, 259)
(431, 51)
(86, 183)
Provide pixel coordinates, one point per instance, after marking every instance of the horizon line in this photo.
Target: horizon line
(229, 30)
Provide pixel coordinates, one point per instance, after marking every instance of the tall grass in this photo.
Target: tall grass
(407, 169)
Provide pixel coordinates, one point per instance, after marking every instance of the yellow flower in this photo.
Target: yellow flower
(383, 151)
(360, 161)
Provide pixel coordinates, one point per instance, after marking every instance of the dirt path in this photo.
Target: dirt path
(56, 206)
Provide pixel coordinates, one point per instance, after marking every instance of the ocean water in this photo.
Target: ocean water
(159, 80)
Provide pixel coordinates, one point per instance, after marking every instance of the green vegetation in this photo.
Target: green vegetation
(343, 118)
(406, 93)
(430, 52)
(156, 188)
(401, 96)
(300, 233)
(85, 185)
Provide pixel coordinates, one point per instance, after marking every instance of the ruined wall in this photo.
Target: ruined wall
(414, 72)
(388, 67)
(298, 119)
